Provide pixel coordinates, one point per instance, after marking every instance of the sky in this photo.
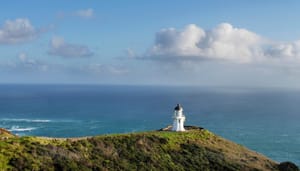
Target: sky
(137, 42)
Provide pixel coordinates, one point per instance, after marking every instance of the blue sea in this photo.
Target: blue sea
(264, 120)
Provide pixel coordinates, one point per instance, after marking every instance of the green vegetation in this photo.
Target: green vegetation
(156, 150)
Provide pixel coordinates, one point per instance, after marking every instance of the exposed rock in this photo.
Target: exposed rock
(288, 166)
(5, 134)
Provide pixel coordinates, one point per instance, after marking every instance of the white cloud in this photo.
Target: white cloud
(289, 51)
(130, 53)
(59, 47)
(22, 56)
(82, 13)
(229, 43)
(224, 42)
(85, 13)
(26, 63)
(104, 69)
(17, 31)
(182, 43)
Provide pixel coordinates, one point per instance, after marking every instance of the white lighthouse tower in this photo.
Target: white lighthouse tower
(179, 118)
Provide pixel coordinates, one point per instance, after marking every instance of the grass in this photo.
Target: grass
(154, 150)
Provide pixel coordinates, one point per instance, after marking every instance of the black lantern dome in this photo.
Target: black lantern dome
(178, 107)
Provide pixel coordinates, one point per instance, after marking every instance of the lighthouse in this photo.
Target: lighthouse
(179, 118)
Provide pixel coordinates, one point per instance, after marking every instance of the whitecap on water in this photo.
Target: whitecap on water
(25, 120)
(21, 129)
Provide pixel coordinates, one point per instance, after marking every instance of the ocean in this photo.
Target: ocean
(264, 120)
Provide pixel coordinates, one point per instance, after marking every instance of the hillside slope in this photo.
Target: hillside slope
(197, 149)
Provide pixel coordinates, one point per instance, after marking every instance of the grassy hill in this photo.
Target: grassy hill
(196, 149)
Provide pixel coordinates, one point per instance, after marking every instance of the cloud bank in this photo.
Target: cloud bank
(17, 31)
(222, 43)
(58, 47)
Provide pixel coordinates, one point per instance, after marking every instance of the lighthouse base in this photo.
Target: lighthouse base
(187, 128)
(178, 126)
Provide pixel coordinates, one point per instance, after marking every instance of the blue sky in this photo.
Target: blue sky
(237, 43)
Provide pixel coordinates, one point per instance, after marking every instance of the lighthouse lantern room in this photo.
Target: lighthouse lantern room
(179, 118)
